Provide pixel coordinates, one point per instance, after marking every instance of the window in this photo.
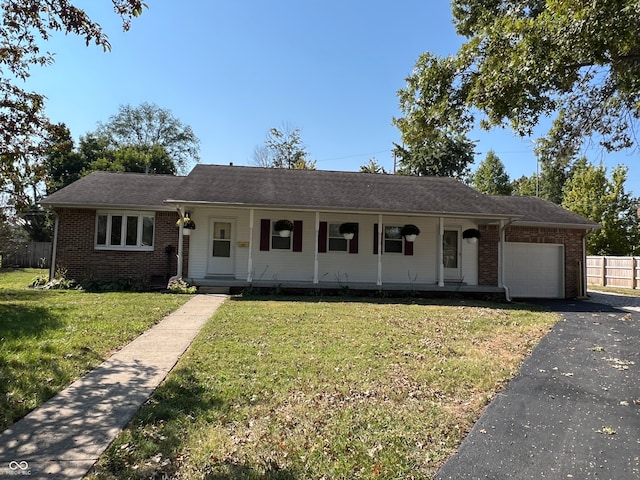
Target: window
(392, 240)
(278, 242)
(337, 242)
(124, 230)
(450, 249)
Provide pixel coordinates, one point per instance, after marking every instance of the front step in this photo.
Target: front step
(219, 290)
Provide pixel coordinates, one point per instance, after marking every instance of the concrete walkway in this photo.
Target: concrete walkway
(64, 437)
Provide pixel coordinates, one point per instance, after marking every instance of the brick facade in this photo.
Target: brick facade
(76, 252)
(570, 238)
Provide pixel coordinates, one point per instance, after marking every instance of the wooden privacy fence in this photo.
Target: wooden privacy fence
(32, 255)
(613, 271)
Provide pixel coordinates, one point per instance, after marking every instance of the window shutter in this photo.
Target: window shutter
(322, 237)
(297, 235)
(408, 247)
(265, 234)
(375, 238)
(353, 244)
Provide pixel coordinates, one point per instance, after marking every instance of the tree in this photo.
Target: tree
(443, 156)
(147, 127)
(591, 194)
(372, 167)
(491, 177)
(284, 149)
(62, 163)
(525, 186)
(530, 59)
(26, 25)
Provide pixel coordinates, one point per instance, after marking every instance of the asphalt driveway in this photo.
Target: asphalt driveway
(573, 411)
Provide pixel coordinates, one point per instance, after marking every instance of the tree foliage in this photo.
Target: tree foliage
(283, 149)
(443, 156)
(372, 167)
(591, 194)
(26, 26)
(491, 177)
(148, 129)
(527, 59)
(525, 186)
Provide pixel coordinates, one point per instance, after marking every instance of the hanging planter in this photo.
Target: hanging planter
(410, 232)
(471, 235)
(188, 225)
(348, 230)
(283, 227)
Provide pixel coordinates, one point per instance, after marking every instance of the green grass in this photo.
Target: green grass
(617, 290)
(49, 338)
(277, 389)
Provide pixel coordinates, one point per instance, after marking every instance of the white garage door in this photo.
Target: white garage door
(534, 270)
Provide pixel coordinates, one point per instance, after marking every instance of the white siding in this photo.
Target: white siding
(342, 267)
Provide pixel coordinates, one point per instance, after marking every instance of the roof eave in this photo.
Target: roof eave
(105, 206)
(368, 211)
(573, 226)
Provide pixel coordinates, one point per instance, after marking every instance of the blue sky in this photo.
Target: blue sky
(233, 70)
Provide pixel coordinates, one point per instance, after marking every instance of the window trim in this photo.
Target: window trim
(275, 234)
(385, 239)
(337, 237)
(122, 246)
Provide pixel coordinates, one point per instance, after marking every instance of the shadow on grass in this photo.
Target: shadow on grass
(159, 431)
(235, 471)
(23, 320)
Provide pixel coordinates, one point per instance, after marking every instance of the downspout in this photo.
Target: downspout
(178, 274)
(54, 250)
(501, 270)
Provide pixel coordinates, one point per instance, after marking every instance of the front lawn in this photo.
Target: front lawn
(321, 389)
(49, 338)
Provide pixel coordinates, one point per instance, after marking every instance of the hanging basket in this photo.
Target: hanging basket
(283, 227)
(188, 224)
(410, 232)
(471, 235)
(348, 230)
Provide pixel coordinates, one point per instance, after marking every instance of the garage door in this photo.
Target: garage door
(534, 270)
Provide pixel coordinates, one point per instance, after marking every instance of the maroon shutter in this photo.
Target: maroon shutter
(353, 244)
(265, 234)
(375, 238)
(322, 237)
(297, 235)
(408, 247)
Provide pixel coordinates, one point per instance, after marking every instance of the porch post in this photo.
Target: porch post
(250, 260)
(501, 256)
(440, 252)
(380, 235)
(180, 241)
(315, 253)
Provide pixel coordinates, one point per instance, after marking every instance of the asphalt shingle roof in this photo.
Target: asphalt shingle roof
(535, 210)
(308, 189)
(323, 189)
(116, 189)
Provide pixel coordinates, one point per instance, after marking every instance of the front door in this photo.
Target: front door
(451, 254)
(221, 234)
